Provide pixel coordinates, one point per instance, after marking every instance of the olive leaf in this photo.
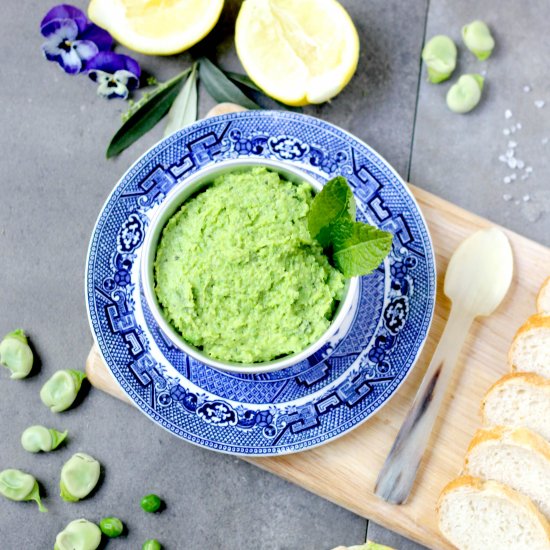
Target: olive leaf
(146, 113)
(184, 108)
(220, 86)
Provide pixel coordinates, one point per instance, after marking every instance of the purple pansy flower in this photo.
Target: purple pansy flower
(115, 74)
(72, 40)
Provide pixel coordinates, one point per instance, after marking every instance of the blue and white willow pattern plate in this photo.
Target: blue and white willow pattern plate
(300, 407)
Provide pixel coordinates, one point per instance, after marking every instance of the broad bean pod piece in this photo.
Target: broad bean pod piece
(465, 94)
(79, 476)
(478, 39)
(16, 354)
(20, 486)
(38, 438)
(60, 391)
(80, 534)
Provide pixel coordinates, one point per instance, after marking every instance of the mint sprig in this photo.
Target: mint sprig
(355, 248)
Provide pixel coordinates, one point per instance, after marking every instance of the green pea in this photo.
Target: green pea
(439, 55)
(38, 438)
(60, 391)
(111, 527)
(478, 39)
(16, 354)
(151, 544)
(17, 485)
(79, 476)
(80, 534)
(465, 94)
(151, 503)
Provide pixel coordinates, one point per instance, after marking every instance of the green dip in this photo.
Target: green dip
(238, 274)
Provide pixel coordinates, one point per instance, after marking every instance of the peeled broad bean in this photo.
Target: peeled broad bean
(465, 94)
(19, 486)
(439, 55)
(79, 476)
(38, 438)
(60, 391)
(478, 39)
(80, 534)
(16, 354)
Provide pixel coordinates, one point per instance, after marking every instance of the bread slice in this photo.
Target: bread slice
(517, 457)
(530, 350)
(543, 298)
(487, 515)
(520, 399)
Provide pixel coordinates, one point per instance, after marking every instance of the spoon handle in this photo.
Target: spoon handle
(398, 473)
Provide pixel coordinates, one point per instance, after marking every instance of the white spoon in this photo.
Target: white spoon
(477, 279)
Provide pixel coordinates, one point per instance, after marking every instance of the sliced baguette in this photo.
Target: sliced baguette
(520, 399)
(530, 350)
(517, 457)
(543, 298)
(487, 515)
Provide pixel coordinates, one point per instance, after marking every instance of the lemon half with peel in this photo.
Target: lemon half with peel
(297, 51)
(156, 27)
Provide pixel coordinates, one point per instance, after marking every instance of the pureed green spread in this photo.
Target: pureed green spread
(238, 274)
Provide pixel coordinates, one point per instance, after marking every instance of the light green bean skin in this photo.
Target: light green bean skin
(60, 391)
(465, 94)
(16, 354)
(478, 39)
(80, 534)
(439, 55)
(79, 476)
(151, 544)
(19, 486)
(38, 438)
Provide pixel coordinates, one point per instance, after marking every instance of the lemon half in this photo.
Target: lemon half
(297, 51)
(156, 27)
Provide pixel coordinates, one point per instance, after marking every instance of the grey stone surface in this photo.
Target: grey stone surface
(457, 156)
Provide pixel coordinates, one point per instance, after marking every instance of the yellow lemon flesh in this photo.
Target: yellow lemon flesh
(156, 27)
(297, 51)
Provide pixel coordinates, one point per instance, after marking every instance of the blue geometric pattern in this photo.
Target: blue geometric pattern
(305, 405)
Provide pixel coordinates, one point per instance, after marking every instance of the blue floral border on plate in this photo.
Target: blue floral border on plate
(333, 391)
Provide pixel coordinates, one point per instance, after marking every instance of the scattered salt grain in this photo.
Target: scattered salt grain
(507, 114)
(509, 153)
(503, 158)
(518, 125)
(539, 103)
(527, 88)
(520, 164)
(526, 198)
(512, 144)
(529, 169)
(513, 176)
(507, 197)
(506, 132)
(512, 163)
(506, 179)
(544, 141)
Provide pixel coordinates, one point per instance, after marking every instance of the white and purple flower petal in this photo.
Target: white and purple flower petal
(64, 12)
(100, 37)
(115, 74)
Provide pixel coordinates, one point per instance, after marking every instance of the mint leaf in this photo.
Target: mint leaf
(335, 202)
(359, 248)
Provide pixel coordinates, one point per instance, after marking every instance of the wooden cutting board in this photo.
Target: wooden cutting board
(345, 470)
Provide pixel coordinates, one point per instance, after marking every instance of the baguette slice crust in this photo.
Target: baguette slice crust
(520, 399)
(530, 350)
(487, 515)
(543, 298)
(517, 457)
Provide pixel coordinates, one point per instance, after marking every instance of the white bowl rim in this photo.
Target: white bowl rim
(171, 203)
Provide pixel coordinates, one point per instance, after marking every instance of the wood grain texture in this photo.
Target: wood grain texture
(345, 471)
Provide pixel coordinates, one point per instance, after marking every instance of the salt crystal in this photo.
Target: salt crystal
(507, 197)
(539, 103)
(512, 162)
(526, 198)
(520, 164)
(506, 132)
(507, 114)
(544, 141)
(516, 202)
(518, 125)
(513, 176)
(503, 158)
(512, 144)
(506, 179)
(527, 88)
(510, 153)
(529, 169)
